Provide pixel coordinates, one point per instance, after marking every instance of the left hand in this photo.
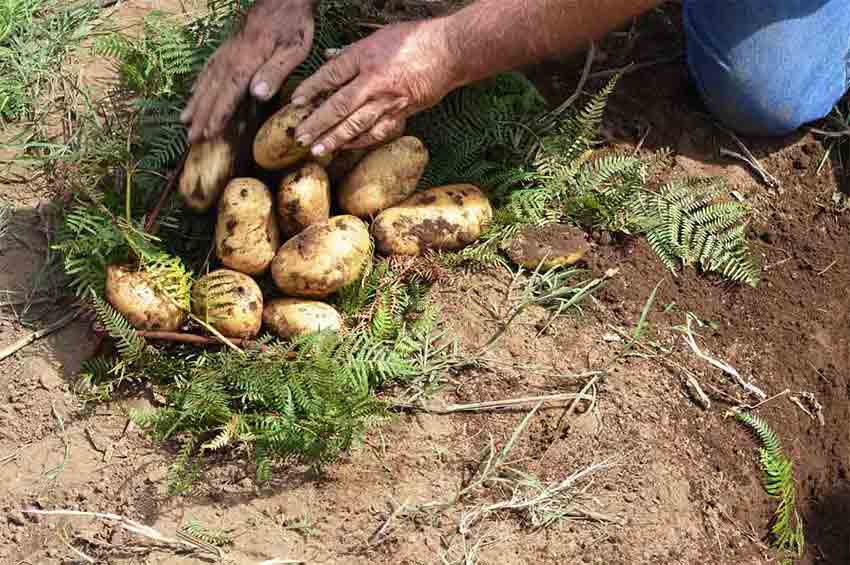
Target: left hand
(376, 84)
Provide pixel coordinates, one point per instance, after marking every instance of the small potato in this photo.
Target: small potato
(323, 258)
(274, 146)
(246, 233)
(441, 218)
(208, 168)
(290, 317)
(304, 199)
(384, 177)
(229, 301)
(133, 295)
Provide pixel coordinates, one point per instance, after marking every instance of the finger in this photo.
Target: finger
(209, 120)
(268, 80)
(331, 112)
(198, 91)
(386, 129)
(332, 75)
(353, 126)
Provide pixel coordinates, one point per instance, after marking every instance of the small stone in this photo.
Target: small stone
(16, 518)
(46, 374)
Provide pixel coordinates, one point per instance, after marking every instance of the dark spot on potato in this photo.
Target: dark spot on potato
(253, 306)
(290, 131)
(426, 199)
(457, 198)
(231, 226)
(198, 192)
(226, 250)
(243, 193)
(298, 175)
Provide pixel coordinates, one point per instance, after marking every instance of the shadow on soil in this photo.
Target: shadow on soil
(828, 527)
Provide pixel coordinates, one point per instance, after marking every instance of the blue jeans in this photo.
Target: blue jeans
(766, 67)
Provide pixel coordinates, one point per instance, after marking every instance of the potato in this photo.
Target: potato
(384, 177)
(274, 146)
(208, 168)
(442, 218)
(304, 198)
(323, 258)
(290, 317)
(133, 295)
(246, 233)
(547, 247)
(229, 301)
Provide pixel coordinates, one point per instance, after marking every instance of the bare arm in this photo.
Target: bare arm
(381, 80)
(493, 36)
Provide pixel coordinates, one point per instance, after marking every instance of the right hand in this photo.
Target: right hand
(277, 37)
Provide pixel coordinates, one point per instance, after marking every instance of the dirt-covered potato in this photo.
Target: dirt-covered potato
(441, 218)
(289, 317)
(246, 233)
(229, 301)
(132, 294)
(384, 177)
(547, 247)
(208, 168)
(274, 146)
(304, 199)
(323, 258)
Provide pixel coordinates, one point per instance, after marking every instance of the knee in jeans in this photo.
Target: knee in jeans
(755, 101)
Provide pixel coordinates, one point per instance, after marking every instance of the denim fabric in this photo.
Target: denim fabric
(767, 67)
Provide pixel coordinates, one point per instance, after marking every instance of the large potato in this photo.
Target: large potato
(304, 199)
(323, 258)
(275, 146)
(246, 233)
(290, 317)
(229, 301)
(384, 177)
(134, 296)
(208, 168)
(441, 218)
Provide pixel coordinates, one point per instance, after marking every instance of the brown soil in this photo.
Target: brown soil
(684, 487)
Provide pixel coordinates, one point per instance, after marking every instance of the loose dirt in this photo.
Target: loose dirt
(684, 485)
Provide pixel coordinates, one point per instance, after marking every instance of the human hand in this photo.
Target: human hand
(276, 38)
(374, 85)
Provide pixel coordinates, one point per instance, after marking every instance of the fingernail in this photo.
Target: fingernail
(318, 150)
(303, 141)
(261, 90)
(299, 101)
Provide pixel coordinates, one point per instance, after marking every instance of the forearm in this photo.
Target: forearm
(493, 36)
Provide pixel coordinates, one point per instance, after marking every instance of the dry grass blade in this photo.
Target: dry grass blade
(13, 348)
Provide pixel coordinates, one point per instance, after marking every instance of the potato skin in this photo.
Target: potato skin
(131, 293)
(304, 198)
(384, 177)
(209, 166)
(323, 258)
(229, 301)
(441, 218)
(246, 232)
(290, 317)
(274, 145)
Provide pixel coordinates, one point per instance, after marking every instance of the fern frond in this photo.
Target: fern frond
(778, 481)
(130, 344)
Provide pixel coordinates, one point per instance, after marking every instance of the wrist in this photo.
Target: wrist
(449, 50)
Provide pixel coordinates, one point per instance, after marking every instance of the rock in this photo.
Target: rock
(46, 374)
(554, 245)
(16, 518)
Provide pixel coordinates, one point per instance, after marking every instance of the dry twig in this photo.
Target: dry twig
(13, 348)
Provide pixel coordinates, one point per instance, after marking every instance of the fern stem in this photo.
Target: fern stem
(166, 192)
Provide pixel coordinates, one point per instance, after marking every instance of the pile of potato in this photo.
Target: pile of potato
(309, 229)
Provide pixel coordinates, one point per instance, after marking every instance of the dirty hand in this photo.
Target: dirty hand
(276, 38)
(374, 85)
